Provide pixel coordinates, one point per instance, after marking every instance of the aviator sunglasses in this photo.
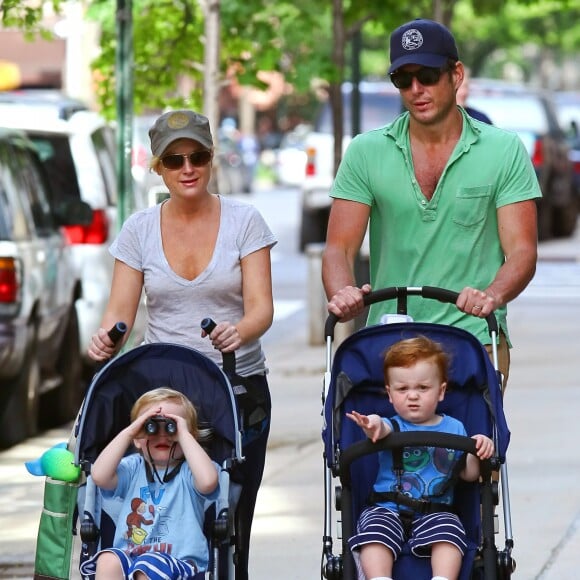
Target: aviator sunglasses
(426, 75)
(177, 160)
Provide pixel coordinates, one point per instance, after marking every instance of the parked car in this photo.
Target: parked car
(380, 103)
(532, 115)
(568, 107)
(39, 334)
(79, 158)
(52, 102)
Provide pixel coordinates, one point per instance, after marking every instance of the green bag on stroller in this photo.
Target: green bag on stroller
(55, 537)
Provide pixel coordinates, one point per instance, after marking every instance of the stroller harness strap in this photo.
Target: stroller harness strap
(419, 506)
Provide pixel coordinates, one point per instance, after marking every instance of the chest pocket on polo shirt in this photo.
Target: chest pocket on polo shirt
(471, 205)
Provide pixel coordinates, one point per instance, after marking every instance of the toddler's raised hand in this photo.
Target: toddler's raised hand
(372, 425)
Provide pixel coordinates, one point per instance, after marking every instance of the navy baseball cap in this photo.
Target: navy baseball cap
(423, 42)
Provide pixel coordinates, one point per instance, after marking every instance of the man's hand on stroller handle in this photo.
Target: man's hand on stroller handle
(476, 302)
(372, 425)
(348, 302)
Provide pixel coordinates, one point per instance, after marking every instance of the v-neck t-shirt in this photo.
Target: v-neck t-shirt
(176, 306)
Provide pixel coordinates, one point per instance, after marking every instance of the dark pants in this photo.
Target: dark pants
(250, 472)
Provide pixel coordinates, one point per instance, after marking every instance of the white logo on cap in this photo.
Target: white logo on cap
(412, 39)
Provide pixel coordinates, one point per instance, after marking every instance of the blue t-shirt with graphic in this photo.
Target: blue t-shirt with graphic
(160, 517)
(426, 469)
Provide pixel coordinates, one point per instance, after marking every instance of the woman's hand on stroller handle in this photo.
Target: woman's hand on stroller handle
(224, 336)
(104, 342)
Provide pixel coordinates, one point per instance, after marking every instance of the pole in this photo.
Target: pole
(124, 100)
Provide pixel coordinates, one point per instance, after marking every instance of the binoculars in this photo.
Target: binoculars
(153, 425)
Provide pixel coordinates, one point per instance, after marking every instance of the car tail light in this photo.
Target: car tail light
(97, 232)
(538, 153)
(9, 283)
(310, 161)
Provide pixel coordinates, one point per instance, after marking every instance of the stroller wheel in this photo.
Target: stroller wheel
(333, 568)
(506, 565)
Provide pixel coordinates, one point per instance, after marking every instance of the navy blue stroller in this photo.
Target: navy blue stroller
(354, 381)
(105, 411)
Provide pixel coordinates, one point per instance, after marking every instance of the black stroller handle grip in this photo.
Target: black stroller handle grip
(228, 358)
(400, 440)
(401, 293)
(117, 332)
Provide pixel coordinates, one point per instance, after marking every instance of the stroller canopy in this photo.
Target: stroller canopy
(114, 390)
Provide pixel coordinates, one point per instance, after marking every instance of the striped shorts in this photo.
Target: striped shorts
(155, 565)
(382, 525)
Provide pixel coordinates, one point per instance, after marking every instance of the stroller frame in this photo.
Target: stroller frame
(228, 440)
(496, 564)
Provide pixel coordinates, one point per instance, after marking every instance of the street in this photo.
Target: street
(542, 402)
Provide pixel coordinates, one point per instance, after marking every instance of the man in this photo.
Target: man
(450, 200)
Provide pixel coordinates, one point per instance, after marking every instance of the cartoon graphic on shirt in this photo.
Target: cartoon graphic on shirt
(415, 458)
(444, 459)
(135, 520)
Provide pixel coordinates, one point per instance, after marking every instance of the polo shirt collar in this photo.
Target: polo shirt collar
(399, 129)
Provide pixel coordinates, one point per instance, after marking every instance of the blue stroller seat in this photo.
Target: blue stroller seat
(106, 409)
(356, 382)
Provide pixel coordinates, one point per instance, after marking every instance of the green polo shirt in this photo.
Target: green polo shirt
(450, 241)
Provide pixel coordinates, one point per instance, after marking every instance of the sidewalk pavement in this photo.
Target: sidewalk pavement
(542, 400)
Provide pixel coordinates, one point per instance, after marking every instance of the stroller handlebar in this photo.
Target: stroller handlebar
(403, 439)
(401, 293)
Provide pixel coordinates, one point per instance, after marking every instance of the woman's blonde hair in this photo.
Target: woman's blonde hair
(165, 394)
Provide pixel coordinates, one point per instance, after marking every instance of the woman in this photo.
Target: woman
(198, 255)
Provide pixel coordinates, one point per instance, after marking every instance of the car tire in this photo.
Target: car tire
(63, 403)
(313, 228)
(20, 417)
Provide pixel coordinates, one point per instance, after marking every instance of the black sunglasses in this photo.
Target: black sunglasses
(426, 75)
(177, 160)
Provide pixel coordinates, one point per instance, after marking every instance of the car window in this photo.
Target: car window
(377, 109)
(15, 221)
(102, 144)
(514, 112)
(35, 188)
(56, 157)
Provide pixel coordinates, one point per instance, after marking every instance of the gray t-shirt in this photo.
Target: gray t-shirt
(176, 306)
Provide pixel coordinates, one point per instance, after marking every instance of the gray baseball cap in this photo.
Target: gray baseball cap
(182, 124)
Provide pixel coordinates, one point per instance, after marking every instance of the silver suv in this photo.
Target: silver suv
(79, 156)
(39, 335)
(380, 103)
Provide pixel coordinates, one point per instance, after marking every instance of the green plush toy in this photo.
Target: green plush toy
(57, 463)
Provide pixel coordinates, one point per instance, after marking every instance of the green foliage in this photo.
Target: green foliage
(26, 17)
(168, 45)
(295, 38)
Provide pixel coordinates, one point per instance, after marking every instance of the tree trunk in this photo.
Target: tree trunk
(338, 47)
